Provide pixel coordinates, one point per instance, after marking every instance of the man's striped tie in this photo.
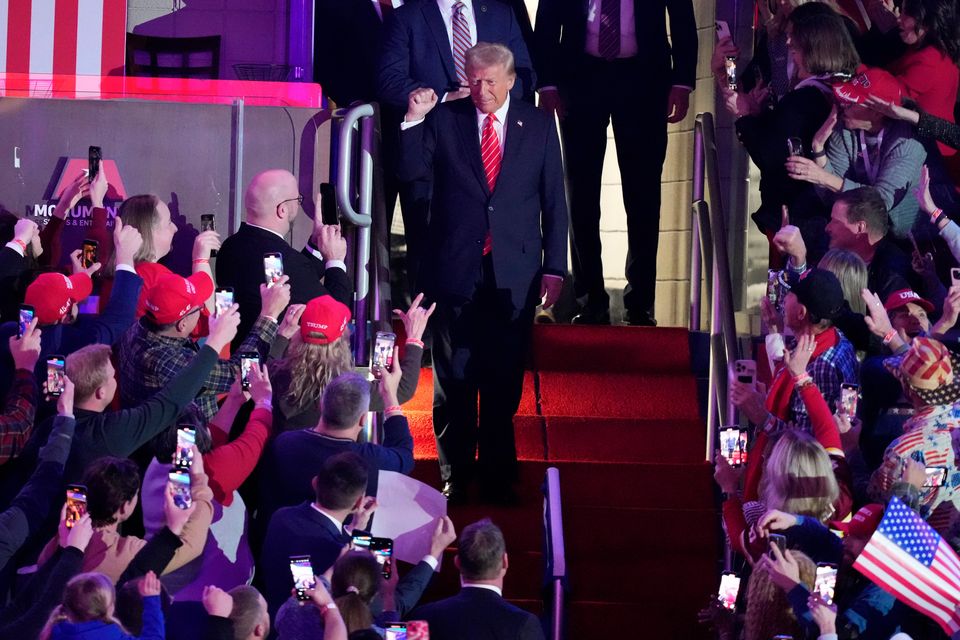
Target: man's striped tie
(461, 42)
(490, 153)
(609, 44)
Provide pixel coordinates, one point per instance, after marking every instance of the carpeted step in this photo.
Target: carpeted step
(528, 435)
(422, 399)
(591, 439)
(672, 621)
(626, 530)
(618, 395)
(608, 349)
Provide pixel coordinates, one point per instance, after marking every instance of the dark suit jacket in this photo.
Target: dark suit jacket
(526, 213)
(240, 265)
(478, 614)
(296, 531)
(416, 50)
(560, 38)
(346, 43)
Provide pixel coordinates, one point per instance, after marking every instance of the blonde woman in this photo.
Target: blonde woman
(150, 215)
(88, 606)
(320, 351)
(851, 271)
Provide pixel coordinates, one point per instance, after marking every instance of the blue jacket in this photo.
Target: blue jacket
(96, 630)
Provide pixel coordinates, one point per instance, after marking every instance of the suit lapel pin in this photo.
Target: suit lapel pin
(483, 8)
(519, 123)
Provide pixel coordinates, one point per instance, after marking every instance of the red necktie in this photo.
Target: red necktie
(386, 7)
(461, 42)
(490, 153)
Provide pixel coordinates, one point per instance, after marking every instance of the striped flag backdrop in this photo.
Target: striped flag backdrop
(73, 37)
(908, 559)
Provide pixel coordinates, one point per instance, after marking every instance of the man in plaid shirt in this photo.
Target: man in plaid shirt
(16, 423)
(158, 347)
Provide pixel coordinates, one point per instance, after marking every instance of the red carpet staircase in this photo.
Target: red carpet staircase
(615, 409)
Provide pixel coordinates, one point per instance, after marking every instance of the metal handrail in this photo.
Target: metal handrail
(710, 224)
(556, 558)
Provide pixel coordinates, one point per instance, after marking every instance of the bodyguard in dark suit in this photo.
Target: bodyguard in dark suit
(599, 60)
(272, 202)
(495, 246)
(479, 611)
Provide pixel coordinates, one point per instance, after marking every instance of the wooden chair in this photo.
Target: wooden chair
(157, 57)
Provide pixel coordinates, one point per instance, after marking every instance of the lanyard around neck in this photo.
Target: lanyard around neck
(872, 170)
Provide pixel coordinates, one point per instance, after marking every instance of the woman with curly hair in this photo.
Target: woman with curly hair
(321, 351)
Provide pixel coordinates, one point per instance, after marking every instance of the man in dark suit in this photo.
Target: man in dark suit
(479, 610)
(599, 60)
(273, 202)
(422, 46)
(495, 247)
(315, 529)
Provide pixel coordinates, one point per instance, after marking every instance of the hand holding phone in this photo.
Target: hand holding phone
(76, 504)
(382, 355)
(222, 300)
(729, 590)
(849, 398)
(26, 316)
(272, 268)
(248, 360)
(381, 548)
(186, 439)
(303, 578)
(55, 374)
(826, 582)
(733, 445)
(180, 481)
(94, 156)
(90, 253)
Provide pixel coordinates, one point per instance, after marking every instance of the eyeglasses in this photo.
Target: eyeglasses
(299, 200)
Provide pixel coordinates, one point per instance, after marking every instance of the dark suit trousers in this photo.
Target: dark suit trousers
(635, 99)
(478, 349)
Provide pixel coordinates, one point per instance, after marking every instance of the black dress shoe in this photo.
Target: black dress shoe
(454, 492)
(500, 494)
(641, 319)
(588, 316)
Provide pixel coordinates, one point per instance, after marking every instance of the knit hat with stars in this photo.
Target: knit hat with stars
(928, 369)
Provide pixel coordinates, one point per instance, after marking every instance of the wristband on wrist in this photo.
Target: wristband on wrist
(330, 606)
(802, 379)
(20, 243)
(393, 409)
(818, 154)
(890, 335)
(201, 261)
(418, 343)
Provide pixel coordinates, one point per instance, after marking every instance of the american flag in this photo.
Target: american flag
(71, 37)
(908, 559)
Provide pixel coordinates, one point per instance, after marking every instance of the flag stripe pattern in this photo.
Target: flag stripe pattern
(67, 37)
(909, 560)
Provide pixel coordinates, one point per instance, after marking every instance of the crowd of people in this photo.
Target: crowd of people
(156, 484)
(847, 109)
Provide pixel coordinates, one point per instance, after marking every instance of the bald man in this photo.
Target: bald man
(272, 202)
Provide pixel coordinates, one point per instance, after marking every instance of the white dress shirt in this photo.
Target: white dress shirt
(489, 587)
(337, 523)
(628, 37)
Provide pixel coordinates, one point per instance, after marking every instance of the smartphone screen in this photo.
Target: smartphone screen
(395, 631)
(745, 371)
(849, 397)
(729, 589)
(329, 214)
(186, 438)
(272, 268)
(76, 503)
(383, 349)
(222, 300)
(936, 477)
(90, 253)
(723, 29)
(26, 317)
(780, 541)
(208, 223)
(55, 382)
(180, 480)
(730, 66)
(247, 360)
(733, 445)
(382, 549)
(302, 572)
(94, 155)
(826, 581)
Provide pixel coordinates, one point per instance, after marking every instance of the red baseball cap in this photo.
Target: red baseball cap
(324, 320)
(866, 82)
(863, 523)
(52, 294)
(902, 297)
(173, 296)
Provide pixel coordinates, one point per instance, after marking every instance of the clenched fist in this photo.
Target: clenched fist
(419, 104)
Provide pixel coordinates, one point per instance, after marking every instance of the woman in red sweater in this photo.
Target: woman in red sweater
(928, 71)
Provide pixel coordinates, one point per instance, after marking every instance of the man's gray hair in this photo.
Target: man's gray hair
(484, 55)
(345, 399)
(480, 550)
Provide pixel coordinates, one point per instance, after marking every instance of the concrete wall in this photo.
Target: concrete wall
(251, 30)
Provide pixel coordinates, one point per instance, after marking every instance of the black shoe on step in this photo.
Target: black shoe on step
(640, 319)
